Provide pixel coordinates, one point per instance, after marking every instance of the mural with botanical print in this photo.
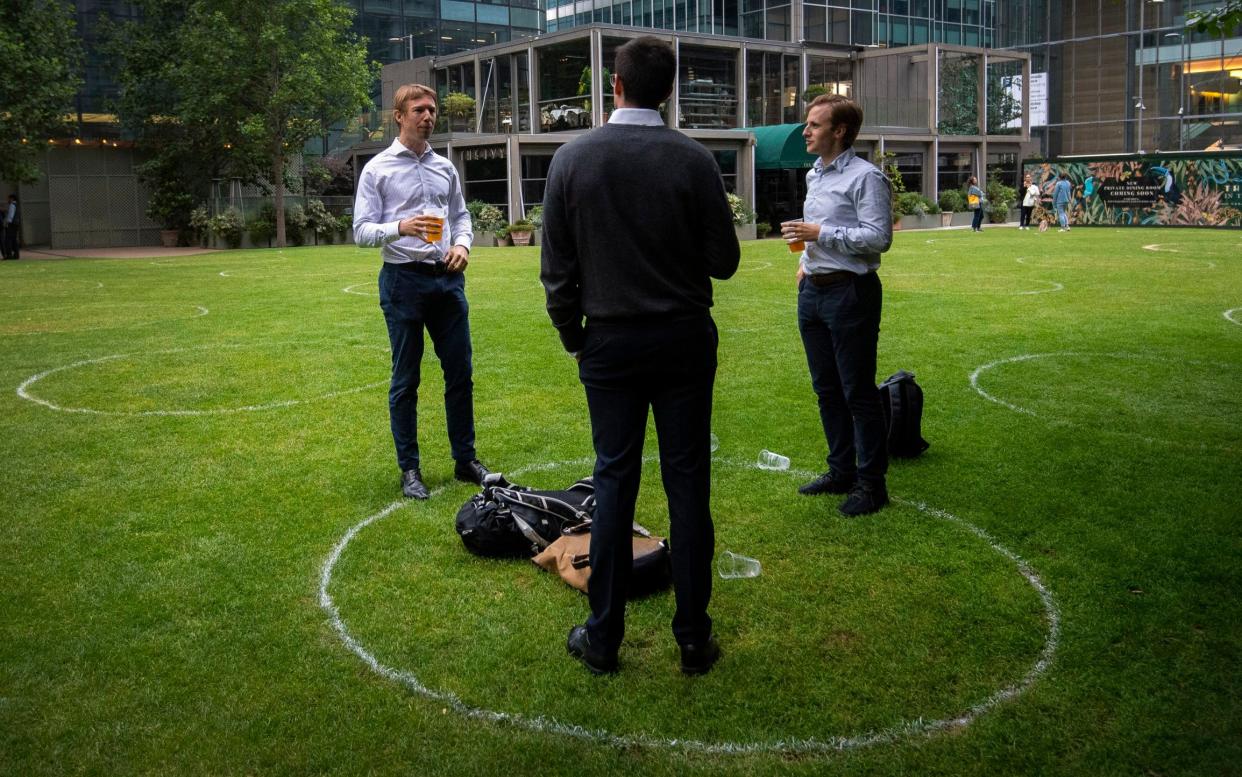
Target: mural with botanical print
(1186, 190)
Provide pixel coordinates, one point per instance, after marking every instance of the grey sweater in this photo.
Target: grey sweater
(635, 226)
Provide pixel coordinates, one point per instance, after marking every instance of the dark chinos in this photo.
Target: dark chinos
(671, 366)
(840, 328)
(413, 299)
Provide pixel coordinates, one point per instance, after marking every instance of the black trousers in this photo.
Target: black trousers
(840, 327)
(10, 241)
(1025, 219)
(670, 367)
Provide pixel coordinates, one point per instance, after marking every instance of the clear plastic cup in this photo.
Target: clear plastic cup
(715, 443)
(772, 461)
(435, 233)
(730, 566)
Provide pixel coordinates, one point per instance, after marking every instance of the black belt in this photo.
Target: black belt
(831, 278)
(425, 268)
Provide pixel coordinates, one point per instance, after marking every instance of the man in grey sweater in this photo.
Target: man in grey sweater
(635, 226)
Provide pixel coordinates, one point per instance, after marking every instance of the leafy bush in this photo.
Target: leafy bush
(262, 227)
(1000, 194)
(535, 216)
(998, 212)
(484, 217)
(228, 226)
(323, 223)
(344, 223)
(295, 224)
(913, 204)
(200, 223)
(952, 201)
(741, 213)
(762, 228)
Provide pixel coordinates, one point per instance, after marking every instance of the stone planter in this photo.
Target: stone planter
(485, 240)
(744, 231)
(522, 238)
(929, 221)
(168, 238)
(962, 219)
(946, 218)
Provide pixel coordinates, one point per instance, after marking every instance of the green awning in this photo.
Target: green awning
(781, 147)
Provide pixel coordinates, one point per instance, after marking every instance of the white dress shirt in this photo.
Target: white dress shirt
(851, 200)
(398, 184)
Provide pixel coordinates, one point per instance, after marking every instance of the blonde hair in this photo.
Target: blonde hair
(408, 92)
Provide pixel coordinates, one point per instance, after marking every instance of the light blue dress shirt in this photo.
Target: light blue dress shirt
(851, 200)
(399, 183)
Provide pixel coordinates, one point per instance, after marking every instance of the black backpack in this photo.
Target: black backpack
(508, 521)
(902, 400)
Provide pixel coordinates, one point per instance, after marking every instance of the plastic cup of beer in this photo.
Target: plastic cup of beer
(795, 246)
(436, 231)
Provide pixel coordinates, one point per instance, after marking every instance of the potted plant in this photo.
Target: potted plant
(535, 217)
(228, 226)
(487, 221)
(520, 232)
(951, 201)
(171, 207)
(459, 108)
(743, 217)
(1000, 200)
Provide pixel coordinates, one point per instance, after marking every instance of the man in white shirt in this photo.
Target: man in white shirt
(422, 283)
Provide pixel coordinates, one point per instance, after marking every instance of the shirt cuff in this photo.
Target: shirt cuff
(392, 231)
(464, 243)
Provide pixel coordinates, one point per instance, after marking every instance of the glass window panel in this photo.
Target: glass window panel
(815, 24)
(777, 24)
(708, 88)
(456, 10)
(564, 97)
(959, 94)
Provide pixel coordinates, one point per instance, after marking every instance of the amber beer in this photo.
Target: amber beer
(797, 246)
(435, 231)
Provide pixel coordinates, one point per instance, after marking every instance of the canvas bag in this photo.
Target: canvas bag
(902, 402)
(570, 557)
(972, 201)
(508, 521)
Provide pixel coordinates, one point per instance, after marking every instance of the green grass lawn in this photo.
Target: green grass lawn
(206, 567)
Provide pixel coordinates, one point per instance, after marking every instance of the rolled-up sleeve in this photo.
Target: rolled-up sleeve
(369, 228)
(873, 199)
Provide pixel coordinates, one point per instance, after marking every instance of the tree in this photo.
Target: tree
(279, 72)
(1223, 20)
(40, 72)
(182, 157)
(959, 99)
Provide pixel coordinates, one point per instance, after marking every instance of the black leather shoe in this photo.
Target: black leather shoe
(831, 482)
(864, 498)
(471, 471)
(412, 485)
(699, 659)
(579, 646)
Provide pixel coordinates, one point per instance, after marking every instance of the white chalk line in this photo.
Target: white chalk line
(1229, 316)
(23, 390)
(1052, 285)
(549, 725)
(202, 311)
(756, 268)
(350, 289)
(1158, 247)
(974, 383)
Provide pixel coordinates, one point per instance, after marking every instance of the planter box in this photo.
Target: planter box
(485, 240)
(930, 221)
(522, 238)
(744, 231)
(168, 238)
(946, 218)
(962, 219)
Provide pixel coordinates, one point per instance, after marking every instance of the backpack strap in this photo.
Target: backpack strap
(543, 504)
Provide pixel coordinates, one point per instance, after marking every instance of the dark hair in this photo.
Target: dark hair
(646, 67)
(841, 110)
(1064, 175)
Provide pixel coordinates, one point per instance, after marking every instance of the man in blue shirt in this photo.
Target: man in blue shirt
(1061, 200)
(422, 283)
(847, 223)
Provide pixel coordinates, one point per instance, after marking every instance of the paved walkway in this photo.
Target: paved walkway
(133, 252)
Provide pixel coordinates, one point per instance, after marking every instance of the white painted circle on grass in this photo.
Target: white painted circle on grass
(1160, 247)
(974, 383)
(1229, 316)
(756, 268)
(350, 289)
(24, 391)
(550, 725)
(199, 312)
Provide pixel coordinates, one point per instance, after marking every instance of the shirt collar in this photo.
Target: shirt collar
(642, 117)
(399, 149)
(840, 163)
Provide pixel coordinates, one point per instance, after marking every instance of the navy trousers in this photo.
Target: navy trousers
(840, 327)
(670, 367)
(411, 302)
(976, 221)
